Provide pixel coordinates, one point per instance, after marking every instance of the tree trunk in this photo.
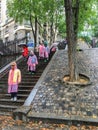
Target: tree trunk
(76, 15)
(32, 27)
(35, 31)
(51, 33)
(71, 40)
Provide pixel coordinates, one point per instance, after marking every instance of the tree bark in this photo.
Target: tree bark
(51, 33)
(35, 31)
(76, 16)
(32, 27)
(71, 38)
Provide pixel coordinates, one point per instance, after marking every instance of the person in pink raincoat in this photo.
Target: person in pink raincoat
(14, 78)
(32, 62)
(41, 49)
(46, 53)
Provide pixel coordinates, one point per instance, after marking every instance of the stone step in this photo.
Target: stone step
(8, 101)
(29, 80)
(23, 80)
(4, 113)
(18, 95)
(26, 86)
(4, 86)
(3, 83)
(27, 76)
(27, 83)
(11, 107)
(31, 76)
(21, 91)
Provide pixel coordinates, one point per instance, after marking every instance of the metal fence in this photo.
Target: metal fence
(11, 47)
(10, 51)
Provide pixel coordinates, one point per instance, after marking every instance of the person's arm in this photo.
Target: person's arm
(9, 78)
(19, 76)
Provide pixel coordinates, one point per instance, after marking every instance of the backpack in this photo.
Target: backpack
(33, 60)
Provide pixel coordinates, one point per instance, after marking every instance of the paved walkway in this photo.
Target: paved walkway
(54, 100)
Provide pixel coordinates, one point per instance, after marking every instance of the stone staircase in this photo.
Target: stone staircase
(28, 81)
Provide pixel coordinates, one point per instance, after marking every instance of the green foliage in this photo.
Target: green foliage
(86, 39)
(21, 10)
(62, 27)
(94, 23)
(52, 12)
(87, 11)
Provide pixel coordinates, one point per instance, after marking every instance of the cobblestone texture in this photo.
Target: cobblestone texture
(69, 101)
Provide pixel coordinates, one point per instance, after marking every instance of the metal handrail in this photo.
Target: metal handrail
(11, 47)
(9, 51)
(6, 68)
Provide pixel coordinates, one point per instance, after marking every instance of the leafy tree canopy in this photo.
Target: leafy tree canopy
(52, 11)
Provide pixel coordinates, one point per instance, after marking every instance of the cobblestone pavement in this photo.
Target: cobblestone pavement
(54, 99)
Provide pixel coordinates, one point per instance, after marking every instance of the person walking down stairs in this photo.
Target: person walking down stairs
(25, 52)
(14, 78)
(46, 53)
(41, 50)
(32, 62)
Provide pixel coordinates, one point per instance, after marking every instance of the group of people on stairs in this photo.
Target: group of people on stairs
(14, 77)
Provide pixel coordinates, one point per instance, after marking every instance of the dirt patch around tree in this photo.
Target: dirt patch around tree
(83, 80)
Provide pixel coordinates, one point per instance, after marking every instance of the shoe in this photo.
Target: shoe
(15, 98)
(11, 99)
(29, 71)
(45, 60)
(32, 73)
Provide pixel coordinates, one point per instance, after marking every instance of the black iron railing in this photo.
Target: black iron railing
(11, 47)
(10, 51)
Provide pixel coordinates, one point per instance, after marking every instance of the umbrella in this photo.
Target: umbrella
(30, 43)
(22, 44)
(54, 44)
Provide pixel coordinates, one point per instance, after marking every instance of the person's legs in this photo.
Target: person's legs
(29, 69)
(14, 96)
(33, 69)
